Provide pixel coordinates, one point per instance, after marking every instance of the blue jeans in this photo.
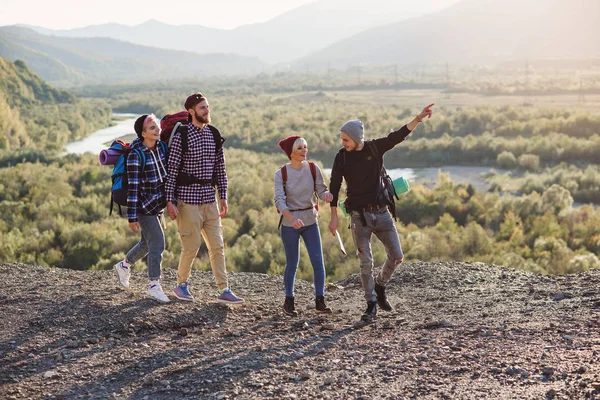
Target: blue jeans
(382, 225)
(152, 244)
(291, 244)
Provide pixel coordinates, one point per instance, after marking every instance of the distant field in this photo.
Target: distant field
(412, 98)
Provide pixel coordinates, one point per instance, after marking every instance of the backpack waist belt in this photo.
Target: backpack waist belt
(372, 207)
(298, 209)
(303, 209)
(185, 179)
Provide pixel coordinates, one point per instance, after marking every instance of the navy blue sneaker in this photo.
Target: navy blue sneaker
(227, 296)
(182, 292)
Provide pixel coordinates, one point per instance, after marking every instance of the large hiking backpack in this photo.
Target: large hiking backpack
(169, 125)
(178, 122)
(284, 176)
(119, 187)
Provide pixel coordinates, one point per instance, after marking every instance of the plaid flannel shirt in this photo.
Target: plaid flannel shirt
(146, 191)
(200, 161)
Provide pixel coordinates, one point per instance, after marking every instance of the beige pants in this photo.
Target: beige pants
(195, 220)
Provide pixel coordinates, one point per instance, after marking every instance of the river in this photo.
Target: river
(458, 174)
(98, 140)
(124, 126)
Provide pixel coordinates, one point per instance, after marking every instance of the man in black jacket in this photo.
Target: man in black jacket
(359, 163)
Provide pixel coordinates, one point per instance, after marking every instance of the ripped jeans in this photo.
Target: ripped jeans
(382, 225)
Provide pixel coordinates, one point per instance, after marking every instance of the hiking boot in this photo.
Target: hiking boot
(226, 296)
(288, 306)
(370, 313)
(320, 305)
(382, 301)
(123, 273)
(182, 292)
(156, 292)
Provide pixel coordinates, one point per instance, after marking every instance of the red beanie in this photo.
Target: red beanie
(287, 145)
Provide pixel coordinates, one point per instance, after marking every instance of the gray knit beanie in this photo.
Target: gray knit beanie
(355, 129)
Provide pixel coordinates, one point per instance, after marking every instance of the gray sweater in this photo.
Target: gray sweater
(300, 188)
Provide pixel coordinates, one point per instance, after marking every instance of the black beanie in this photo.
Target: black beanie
(138, 125)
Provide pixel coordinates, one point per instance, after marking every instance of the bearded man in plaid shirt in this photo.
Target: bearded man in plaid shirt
(196, 171)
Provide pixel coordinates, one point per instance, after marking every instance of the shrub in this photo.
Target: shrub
(530, 162)
(506, 160)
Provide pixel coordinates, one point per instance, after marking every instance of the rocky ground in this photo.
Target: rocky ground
(459, 331)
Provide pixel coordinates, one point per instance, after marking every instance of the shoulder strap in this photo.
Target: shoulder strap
(379, 160)
(163, 146)
(219, 139)
(283, 175)
(142, 157)
(184, 141)
(283, 170)
(173, 132)
(374, 149)
(313, 170)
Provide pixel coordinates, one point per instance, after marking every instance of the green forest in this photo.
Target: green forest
(540, 215)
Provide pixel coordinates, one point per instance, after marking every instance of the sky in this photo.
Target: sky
(68, 14)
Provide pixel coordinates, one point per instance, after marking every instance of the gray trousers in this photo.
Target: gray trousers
(152, 244)
(382, 225)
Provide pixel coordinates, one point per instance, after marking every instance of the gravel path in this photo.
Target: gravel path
(458, 331)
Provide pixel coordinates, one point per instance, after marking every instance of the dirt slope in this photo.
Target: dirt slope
(459, 331)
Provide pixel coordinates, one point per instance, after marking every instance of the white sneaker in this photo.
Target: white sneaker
(155, 291)
(123, 273)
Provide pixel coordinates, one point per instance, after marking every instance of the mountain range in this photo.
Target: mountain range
(76, 61)
(282, 39)
(322, 34)
(476, 31)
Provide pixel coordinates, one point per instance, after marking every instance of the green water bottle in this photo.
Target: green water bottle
(401, 185)
(343, 207)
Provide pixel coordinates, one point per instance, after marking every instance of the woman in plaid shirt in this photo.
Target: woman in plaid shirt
(146, 200)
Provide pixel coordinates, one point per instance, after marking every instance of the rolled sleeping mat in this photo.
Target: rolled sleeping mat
(109, 156)
(401, 185)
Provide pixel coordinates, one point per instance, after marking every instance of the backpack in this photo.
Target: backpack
(284, 176)
(178, 122)
(119, 187)
(386, 191)
(171, 124)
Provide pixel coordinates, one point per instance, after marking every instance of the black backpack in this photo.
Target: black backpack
(180, 125)
(385, 191)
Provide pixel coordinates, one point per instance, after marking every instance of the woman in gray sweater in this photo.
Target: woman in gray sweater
(296, 184)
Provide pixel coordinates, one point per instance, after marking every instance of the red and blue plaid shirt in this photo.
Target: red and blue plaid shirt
(200, 161)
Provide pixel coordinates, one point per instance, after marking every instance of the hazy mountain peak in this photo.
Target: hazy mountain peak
(153, 23)
(474, 31)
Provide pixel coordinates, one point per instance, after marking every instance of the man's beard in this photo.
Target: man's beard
(203, 119)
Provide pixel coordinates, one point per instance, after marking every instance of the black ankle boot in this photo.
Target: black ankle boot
(320, 305)
(370, 313)
(288, 306)
(382, 301)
